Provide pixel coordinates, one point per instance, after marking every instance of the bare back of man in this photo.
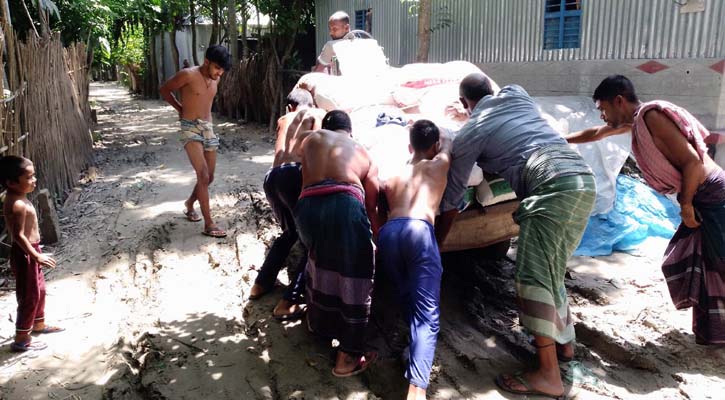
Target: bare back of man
(198, 86)
(331, 226)
(328, 155)
(417, 191)
(289, 127)
(335, 156)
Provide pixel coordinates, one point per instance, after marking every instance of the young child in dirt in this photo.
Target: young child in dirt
(17, 175)
(407, 247)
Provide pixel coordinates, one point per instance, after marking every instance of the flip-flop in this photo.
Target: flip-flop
(360, 367)
(292, 316)
(519, 377)
(215, 233)
(29, 346)
(192, 216)
(49, 329)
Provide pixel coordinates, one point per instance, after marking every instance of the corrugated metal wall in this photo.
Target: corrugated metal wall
(488, 31)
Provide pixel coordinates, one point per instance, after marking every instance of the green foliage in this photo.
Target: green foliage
(48, 6)
(129, 49)
(287, 15)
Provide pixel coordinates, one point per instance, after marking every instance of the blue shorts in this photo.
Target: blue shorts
(409, 255)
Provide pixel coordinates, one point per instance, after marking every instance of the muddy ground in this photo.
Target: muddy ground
(155, 310)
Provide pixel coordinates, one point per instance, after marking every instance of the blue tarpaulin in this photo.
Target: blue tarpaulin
(639, 212)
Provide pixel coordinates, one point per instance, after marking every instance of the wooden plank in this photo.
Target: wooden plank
(478, 228)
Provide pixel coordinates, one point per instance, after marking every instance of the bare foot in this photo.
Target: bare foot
(415, 393)
(286, 309)
(546, 382)
(257, 292)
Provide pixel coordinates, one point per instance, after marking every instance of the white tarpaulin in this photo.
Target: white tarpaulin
(569, 114)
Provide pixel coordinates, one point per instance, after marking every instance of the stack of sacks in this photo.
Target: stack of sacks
(345, 93)
(429, 88)
(366, 118)
(360, 57)
(413, 92)
(388, 147)
(421, 90)
(492, 190)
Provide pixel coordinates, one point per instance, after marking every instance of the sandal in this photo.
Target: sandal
(214, 232)
(28, 346)
(49, 329)
(529, 391)
(192, 216)
(291, 316)
(363, 363)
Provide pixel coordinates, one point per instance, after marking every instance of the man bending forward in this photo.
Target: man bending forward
(408, 249)
(334, 215)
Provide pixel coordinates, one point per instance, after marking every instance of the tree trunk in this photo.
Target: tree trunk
(245, 17)
(154, 68)
(424, 12)
(233, 32)
(259, 21)
(10, 46)
(43, 16)
(174, 48)
(153, 71)
(163, 57)
(194, 48)
(214, 39)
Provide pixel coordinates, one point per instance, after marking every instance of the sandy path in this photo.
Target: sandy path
(156, 310)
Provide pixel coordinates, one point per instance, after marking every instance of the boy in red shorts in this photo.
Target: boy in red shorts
(17, 175)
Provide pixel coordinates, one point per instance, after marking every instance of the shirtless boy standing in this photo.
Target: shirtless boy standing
(17, 174)
(408, 249)
(198, 86)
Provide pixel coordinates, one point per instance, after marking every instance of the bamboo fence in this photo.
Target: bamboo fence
(243, 91)
(48, 119)
(255, 89)
(44, 112)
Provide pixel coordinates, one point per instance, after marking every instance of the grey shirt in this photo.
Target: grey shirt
(502, 133)
(327, 53)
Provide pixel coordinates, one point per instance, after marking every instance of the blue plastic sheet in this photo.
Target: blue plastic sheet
(639, 212)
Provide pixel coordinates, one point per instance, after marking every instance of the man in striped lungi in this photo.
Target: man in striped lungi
(506, 135)
(669, 145)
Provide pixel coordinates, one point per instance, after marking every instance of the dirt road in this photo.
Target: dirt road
(155, 310)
